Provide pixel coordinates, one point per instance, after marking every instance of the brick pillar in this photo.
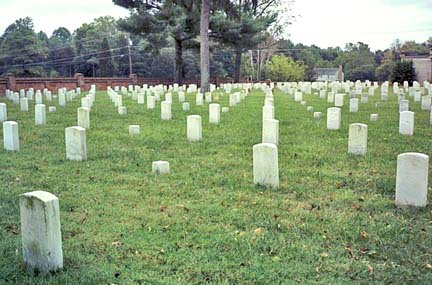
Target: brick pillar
(11, 82)
(134, 78)
(80, 79)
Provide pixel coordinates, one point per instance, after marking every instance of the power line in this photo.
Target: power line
(61, 59)
(66, 45)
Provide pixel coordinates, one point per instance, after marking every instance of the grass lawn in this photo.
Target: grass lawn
(332, 221)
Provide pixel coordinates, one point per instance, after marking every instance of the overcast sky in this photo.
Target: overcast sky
(322, 22)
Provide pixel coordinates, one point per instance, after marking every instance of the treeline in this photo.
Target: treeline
(164, 43)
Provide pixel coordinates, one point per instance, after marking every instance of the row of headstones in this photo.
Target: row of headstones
(412, 169)
(10, 128)
(411, 177)
(234, 99)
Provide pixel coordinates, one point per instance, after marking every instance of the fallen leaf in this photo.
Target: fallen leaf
(116, 243)
(259, 231)
(364, 235)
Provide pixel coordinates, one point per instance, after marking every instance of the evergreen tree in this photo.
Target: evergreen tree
(403, 71)
(158, 20)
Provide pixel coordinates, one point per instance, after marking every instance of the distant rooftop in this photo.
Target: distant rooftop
(327, 71)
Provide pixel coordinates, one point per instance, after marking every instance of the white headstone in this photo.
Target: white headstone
(62, 99)
(268, 112)
(403, 105)
(333, 118)
(186, 106)
(357, 139)
(412, 179)
(339, 100)
(426, 103)
(40, 114)
(24, 104)
(83, 117)
(406, 123)
(52, 109)
(76, 145)
(151, 104)
(134, 130)
(199, 99)
(40, 230)
(194, 128)
(160, 167)
(353, 107)
(122, 110)
(270, 131)
(140, 98)
(166, 111)
(317, 115)
(214, 113)
(225, 109)
(374, 117)
(3, 112)
(265, 165)
(10, 136)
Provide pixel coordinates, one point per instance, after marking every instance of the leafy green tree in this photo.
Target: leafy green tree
(282, 68)
(106, 64)
(403, 71)
(61, 52)
(358, 62)
(22, 50)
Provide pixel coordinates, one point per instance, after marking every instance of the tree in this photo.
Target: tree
(105, 61)
(61, 52)
(358, 61)
(243, 28)
(403, 71)
(282, 68)
(204, 46)
(158, 20)
(23, 52)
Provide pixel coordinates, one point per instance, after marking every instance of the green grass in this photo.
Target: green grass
(332, 221)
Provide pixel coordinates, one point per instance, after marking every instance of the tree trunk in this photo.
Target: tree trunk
(178, 61)
(204, 47)
(237, 67)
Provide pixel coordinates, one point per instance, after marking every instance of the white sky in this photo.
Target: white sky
(322, 22)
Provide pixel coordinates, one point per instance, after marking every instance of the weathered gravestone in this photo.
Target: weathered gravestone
(76, 144)
(412, 179)
(357, 139)
(194, 128)
(265, 165)
(40, 230)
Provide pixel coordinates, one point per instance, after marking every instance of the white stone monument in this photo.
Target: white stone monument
(412, 179)
(214, 113)
(83, 117)
(10, 136)
(333, 118)
(406, 123)
(265, 165)
(160, 167)
(194, 128)
(270, 131)
(76, 145)
(40, 230)
(40, 114)
(357, 139)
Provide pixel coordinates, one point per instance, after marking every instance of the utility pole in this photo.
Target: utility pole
(130, 57)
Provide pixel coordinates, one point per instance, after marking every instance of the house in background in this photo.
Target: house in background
(422, 64)
(329, 74)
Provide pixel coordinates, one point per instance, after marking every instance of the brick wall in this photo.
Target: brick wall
(53, 84)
